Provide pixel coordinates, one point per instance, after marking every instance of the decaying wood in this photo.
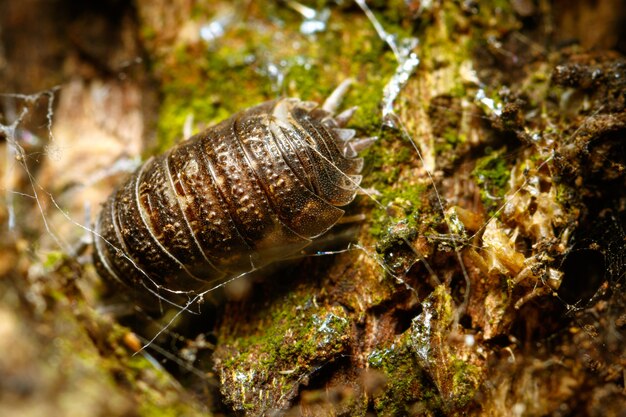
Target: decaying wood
(486, 271)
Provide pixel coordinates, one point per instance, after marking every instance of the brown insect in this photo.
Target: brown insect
(247, 192)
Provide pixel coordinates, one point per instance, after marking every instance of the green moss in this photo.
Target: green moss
(456, 379)
(385, 159)
(397, 205)
(83, 360)
(282, 344)
(465, 381)
(492, 174)
(406, 384)
(423, 372)
(52, 259)
(288, 336)
(453, 137)
(443, 56)
(302, 80)
(210, 84)
(400, 199)
(186, 91)
(393, 14)
(153, 409)
(148, 33)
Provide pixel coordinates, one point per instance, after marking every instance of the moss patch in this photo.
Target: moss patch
(492, 173)
(281, 347)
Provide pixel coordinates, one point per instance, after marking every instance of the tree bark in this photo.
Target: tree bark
(480, 273)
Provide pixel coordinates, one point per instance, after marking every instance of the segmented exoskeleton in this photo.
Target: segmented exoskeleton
(249, 191)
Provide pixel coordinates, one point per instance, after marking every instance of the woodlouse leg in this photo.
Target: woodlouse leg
(344, 117)
(360, 144)
(352, 147)
(345, 134)
(334, 99)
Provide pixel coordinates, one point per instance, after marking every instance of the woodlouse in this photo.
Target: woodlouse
(249, 191)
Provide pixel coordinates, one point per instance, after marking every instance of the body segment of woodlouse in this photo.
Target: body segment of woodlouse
(247, 192)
